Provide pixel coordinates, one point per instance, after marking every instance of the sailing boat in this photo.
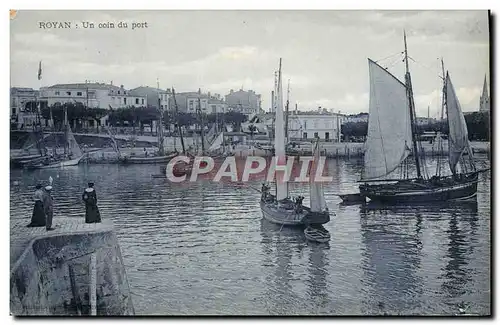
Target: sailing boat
(391, 131)
(280, 208)
(72, 153)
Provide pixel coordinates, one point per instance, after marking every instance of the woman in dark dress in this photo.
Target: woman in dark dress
(38, 217)
(92, 214)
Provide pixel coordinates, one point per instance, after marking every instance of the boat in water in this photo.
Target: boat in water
(280, 208)
(317, 233)
(72, 152)
(392, 141)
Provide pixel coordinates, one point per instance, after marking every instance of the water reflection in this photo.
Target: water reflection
(278, 244)
(317, 279)
(392, 256)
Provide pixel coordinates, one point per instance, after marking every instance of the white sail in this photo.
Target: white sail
(279, 141)
(317, 195)
(458, 140)
(71, 144)
(389, 125)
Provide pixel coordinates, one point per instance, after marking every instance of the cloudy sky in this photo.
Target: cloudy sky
(324, 52)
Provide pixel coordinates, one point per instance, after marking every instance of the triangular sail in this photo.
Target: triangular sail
(279, 141)
(458, 141)
(318, 203)
(71, 144)
(389, 125)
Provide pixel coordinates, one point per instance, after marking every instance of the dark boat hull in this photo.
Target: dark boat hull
(290, 217)
(148, 160)
(426, 191)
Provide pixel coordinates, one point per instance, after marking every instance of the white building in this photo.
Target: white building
(154, 96)
(301, 125)
(309, 125)
(93, 95)
(356, 118)
(23, 103)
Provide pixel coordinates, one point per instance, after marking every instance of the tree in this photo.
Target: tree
(354, 129)
(478, 126)
(235, 118)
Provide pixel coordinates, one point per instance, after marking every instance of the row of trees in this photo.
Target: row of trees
(135, 117)
(478, 126)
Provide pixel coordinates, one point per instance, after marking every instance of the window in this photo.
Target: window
(304, 135)
(118, 92)
(315, 124)
(161, 106)
(305, 125)
(327, 136)
(79, 93)
(125, 100)
(137, 100)
(57, 93)
(68, 93)
(316, 136)
(142, 101)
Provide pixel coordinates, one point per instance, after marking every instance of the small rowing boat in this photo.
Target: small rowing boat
(317, 233)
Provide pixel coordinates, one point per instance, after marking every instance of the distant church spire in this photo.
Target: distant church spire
(484, 101)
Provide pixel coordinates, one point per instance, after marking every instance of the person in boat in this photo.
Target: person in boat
(48, 207)
(298, 203)
(38, 217)
(265, 192)
(145, 152)
(89, 196)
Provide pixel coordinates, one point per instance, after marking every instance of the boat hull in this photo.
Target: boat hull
(320, 235)
(465, 188)
(59, 164)
(147, 160)
(290, 217)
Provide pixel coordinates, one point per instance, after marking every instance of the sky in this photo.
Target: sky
(324, 53)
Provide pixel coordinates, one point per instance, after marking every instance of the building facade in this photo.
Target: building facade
(154, 96)
(308, 125)
(92, 95)
(23, 105)
(246, 102)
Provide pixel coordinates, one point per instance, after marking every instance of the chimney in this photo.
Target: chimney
(111, 82)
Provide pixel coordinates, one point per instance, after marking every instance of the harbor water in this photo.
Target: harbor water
(203, 248)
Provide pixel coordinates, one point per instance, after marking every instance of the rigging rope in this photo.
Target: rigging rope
(390, 56)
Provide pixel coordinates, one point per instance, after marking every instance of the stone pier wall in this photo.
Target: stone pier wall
(41, 280)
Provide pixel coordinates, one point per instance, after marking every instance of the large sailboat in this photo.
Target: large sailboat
(280, 208)
(391, 134)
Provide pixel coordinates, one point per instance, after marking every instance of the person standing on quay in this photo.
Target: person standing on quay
(38, 217)
(89, 196)
(48, 207)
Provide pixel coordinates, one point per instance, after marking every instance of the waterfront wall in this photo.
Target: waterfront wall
(54, 276)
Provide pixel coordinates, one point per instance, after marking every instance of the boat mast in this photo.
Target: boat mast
(201, 126)
(409, 94)
(440, 139)
(286, 111)
(177, 122)
(161, 149)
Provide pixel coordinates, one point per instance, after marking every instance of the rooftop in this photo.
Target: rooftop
(91, 85)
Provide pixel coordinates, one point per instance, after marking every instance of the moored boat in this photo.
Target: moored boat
(317, 233)
(391, 133)
(280, 208)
